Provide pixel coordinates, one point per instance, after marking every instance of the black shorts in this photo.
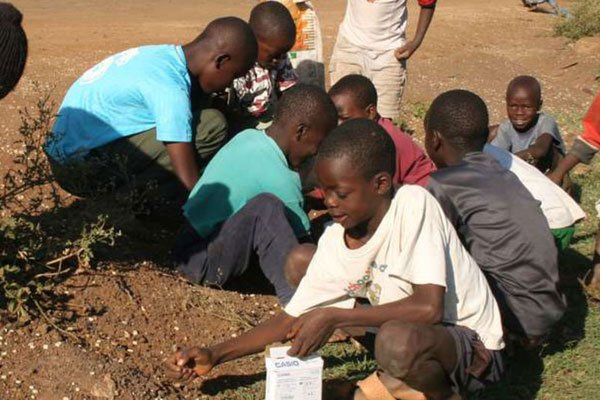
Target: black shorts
(470, 351)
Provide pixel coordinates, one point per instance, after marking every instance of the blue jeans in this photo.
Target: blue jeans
(260, 228)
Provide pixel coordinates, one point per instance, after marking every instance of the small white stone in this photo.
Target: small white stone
(57, 344)
(120, 360)
(176, 328)
(92, 373)
(65, 398)
(233, 335)
(45, 347)
(34, 391)
(134, 333)
(130, 350)
(3, 377)
(134, 342)
(77, 389)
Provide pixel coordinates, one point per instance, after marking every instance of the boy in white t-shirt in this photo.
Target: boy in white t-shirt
(440, 330)
(372, 42)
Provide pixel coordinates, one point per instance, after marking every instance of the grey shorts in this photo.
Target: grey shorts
(477, 367)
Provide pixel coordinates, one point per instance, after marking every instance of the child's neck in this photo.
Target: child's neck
(359, 235)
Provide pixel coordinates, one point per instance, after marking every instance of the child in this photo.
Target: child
(134, 113)
(439, 325)
(372, 42)
(528, 132)
(13, 51)
(272, 74)
(560, 210)
(499, 221)
(558, 10)
(249, 199)
(584, 148)
(355, 96)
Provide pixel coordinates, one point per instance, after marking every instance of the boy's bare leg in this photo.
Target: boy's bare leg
(418, 358)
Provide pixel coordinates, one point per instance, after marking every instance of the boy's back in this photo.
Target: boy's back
(127, 93)
(504, 229)
(250, 164)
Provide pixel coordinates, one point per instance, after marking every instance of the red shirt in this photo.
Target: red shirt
(413, 167)
(591, 125)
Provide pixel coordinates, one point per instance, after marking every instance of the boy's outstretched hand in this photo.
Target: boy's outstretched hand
(310, 332)
(190, 363)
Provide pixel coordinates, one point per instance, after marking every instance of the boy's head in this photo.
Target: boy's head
(13, 48)
(303, 117)
(354, 96)
(523, 102)
(275, 32)
(355, 166)
(455, 124)
(226, 50)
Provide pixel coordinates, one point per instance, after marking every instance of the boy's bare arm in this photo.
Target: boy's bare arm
(539, 150)
(183, 159)
(313, 329)
(425, 17)
(195, 361)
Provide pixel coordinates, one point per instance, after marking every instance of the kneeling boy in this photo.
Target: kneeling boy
(249, 200)
(272, 74)
(440, 329)
(528, 132)
(355, 96)
(498, 220)
(138, 114)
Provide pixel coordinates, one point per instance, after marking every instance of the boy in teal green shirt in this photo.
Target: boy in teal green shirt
(249, 199)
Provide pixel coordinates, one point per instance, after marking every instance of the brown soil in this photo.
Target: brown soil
(129, 315)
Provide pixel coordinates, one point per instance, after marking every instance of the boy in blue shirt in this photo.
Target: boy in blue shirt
(249, 199)
(139, 113)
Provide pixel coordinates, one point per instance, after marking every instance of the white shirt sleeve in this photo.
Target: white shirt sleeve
(322, 286)
(423, 231)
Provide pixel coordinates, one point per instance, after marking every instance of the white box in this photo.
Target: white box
(291, 378)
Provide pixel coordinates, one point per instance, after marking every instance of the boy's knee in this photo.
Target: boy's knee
(397, 347)
(297, 263)
(266, 202)
(211, 129)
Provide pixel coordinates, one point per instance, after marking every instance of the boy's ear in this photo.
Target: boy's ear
(222, 59)
(371, 111)
(436, 140)
(540, 104)
(383, 183)
(301, 131)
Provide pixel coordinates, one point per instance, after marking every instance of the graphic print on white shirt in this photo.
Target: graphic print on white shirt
(414, 244)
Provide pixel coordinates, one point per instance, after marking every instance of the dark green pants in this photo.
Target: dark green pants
(138, 160)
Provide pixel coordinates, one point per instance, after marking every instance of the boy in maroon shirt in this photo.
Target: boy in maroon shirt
(355, 96)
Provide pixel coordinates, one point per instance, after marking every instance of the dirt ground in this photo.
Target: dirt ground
(130, 315)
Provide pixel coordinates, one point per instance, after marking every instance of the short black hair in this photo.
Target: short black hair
(368, 147)
(526, 82)
(359, 87)
(461, 117)
(234, 34)
(305, 101)
(13, 48)
(273, 18)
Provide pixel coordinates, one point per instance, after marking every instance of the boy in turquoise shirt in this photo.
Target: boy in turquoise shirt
(249, 199)
(137, 113)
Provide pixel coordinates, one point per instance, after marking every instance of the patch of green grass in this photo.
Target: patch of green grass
(568, 120)
(419, 109)
(585, 20)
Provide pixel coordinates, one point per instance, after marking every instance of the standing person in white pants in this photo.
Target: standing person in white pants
(372, 42)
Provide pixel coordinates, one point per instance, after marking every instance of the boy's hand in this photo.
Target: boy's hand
(404, 52)
(189, 363)
(310, 332)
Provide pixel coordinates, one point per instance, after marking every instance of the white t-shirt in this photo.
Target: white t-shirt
(558, 207)
(414, 245)
(376, 24)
